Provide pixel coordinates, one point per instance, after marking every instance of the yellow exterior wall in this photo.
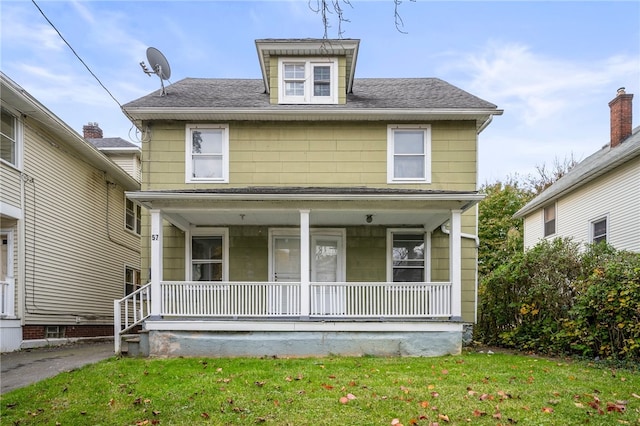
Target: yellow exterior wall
(312, 154)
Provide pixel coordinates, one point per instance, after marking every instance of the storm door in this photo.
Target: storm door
(327, 266)
(285, 268)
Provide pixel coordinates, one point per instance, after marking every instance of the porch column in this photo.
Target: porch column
(156, 261)
(305, 301)
(455, 264)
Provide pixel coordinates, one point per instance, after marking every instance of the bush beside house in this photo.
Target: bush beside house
(555, 298)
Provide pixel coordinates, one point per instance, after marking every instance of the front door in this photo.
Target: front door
(327, 266)
(285, 268)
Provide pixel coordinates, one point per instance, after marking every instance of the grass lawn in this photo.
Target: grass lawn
(475, 388)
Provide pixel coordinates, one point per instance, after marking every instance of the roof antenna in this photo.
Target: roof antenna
(159, 66)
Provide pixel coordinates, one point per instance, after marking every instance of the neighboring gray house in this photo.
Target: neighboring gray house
(124, 153)
(599, 199)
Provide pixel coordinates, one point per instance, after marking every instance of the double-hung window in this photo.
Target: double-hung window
(207, 153)
(407, 256)
(10, 135)
(132, 220)
(408, 153)
(549, 217)
(599, 230)
(131, 280)
(209, 253)
(308, 81)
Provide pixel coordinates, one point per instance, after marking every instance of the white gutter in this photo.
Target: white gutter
(185, 196)
(149, 112)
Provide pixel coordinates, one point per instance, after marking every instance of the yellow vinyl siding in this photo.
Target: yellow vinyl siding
(75, 241)
(312, 154)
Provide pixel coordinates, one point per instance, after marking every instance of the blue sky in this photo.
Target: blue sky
(552, 66)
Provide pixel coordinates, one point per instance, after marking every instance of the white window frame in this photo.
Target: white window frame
(592, 225)
(555, 220)
(137, 216)
(391, 155)
(135, 285)
(207, 232)
(224, 178)
(427, 250)
(18, 141)
(309, 65)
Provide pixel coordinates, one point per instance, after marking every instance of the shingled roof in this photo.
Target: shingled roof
(590, 168)
(368, 93)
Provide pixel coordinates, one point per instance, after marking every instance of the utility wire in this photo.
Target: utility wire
(82, 61)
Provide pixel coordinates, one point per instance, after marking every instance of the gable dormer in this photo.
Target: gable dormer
(307, 71)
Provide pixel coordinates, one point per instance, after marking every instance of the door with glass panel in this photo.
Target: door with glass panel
(327, 267)
(285, 268)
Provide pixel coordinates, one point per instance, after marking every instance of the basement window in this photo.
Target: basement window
(53, 332)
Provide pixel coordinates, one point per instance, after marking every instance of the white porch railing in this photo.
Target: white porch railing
(130, 311)
(282, 299)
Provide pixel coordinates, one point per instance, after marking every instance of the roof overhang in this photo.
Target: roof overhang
(308, 47)
(481, 117)
(30, 108)
(327, 208)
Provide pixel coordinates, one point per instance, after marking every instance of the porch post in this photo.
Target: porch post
(305, 301)
(455, 264)
(156, 261)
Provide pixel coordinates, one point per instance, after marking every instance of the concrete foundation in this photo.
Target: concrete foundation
(163, 343)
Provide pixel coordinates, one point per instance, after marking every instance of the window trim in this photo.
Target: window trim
(189, 154)
(137, 216)
(207, 232)
(427, 250)
(309, 65)
(592, 224)
(391, 129)
(19, 138)
(555, 220)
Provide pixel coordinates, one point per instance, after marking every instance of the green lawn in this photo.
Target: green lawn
(474, 388)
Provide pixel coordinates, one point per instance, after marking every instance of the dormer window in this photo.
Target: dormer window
(308, 81)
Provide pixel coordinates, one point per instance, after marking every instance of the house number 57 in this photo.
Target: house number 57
(154, 237)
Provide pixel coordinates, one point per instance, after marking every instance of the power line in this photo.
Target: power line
(81, 60)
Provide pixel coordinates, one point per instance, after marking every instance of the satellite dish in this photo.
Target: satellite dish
(159, 66)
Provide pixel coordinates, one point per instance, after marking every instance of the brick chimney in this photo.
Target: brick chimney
(621, 115)
(92, 131)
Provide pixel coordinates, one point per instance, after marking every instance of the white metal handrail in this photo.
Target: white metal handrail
(130, 311)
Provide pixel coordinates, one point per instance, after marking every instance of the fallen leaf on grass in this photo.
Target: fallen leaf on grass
(478, 413)
(443, 417)
(618, 406)
(547, 410)
(344, 400)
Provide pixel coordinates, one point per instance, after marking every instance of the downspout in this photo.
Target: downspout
(463, 235)
(22, 253)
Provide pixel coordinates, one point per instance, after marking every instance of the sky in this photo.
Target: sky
(552, 66)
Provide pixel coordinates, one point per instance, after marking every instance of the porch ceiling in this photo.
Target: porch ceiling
(429, 219)
(328, 208)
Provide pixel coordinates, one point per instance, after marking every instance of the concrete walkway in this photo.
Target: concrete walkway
(22, 368)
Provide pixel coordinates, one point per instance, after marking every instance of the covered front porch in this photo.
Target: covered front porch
(301, 273)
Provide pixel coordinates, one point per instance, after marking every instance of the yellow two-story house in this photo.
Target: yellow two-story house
(308, 212)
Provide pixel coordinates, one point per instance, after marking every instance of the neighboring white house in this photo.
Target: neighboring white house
(599, 199)
(70, 244)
